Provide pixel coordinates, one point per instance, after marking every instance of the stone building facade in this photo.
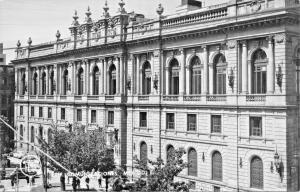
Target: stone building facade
(6, 102)
(220, 81)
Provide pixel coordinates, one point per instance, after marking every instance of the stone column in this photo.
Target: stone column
(211, 78)
(121, 74)
(244, 67)
(167, 80)
(39, 81)
(205, 71)
(182, 73)
(47, 81)
(73, 76)
(85, 76)
(117, 75)
(101, 88)
(271, 66)
(137, 74)
(56, 79)
(105, 63)
(188, 78)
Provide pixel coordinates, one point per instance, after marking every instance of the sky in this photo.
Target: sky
(40, 19)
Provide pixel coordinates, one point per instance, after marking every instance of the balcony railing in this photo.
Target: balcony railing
(41, 97)
(143, 98)
(192, 98)
(255, 98)
(93, 97)
(63, 97)
(109, 97)
(170, 97)
(78, 97)
(216, 98)
(50, 96)
(33, 96)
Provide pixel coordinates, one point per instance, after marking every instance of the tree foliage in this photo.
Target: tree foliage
(78, 150)
(160, 176)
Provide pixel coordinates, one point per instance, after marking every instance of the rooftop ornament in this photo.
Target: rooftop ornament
(75, 17)
(122, 9)
(57, 35)
(88, 16)
(29, 41)
(106, 8)
(18, 44)
(160, 10)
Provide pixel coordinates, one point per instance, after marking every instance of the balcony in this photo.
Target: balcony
(33, 96)
(192, 98)
(63, 97)
(255, 98)
(50, 96)
(41, 97)
(78, 97)
(143, 98)
(170, 98)
(109, 97)
(93, 97)
(216, 98)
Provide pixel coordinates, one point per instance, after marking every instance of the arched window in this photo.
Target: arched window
(170, 151)
(32, 134)
(112, 80)
(174, 77)
(23, 84)
(146, 75)
(52, 84)
(192, 159)
(219, 74)
(80, 81)
(21, 135)
(143, 153)
(43, 83)
(35, 84)
(259, 72)
(217, 166)
(96, 77)
(49, 134)
(41, 136)
(195, 77)
(65, 82)
(256, 173)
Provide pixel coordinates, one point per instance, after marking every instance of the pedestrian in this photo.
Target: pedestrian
(74, 183)
(106, 183)
(100, 181)
(32, 180)
(12, 179)
(87, 181)
(27, 180)
(78, 183)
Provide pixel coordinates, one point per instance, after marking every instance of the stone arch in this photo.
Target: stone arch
(170, 59)
(214, 55)
(253, 51)
(191, 57)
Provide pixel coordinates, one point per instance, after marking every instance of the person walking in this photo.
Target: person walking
(87, 181)
(78, 183)
(100, 181)
(74, 183)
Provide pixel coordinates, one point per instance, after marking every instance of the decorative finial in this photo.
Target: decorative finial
(57, 35)
(160, 10)
(75, 17)
(18, 44)
(121, 4)
(106, 8)
(88, 14)
(29, 41)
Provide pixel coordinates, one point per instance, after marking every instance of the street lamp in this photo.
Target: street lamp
(278, 164)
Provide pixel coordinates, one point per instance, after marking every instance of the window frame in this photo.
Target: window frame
(189, 116)
(255, 130)
(49, 112)
(168, 123)
(143, 122)
(216, 176)
(63, 113)
(110, 117)
(93, 116)
(41, 112)
(21, 111)
(213, 128)
(260, 181)
(32, 111)
(79, 115)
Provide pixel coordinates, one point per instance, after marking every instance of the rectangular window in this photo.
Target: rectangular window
(49, 112)
(143, 119)
(216, 125)
(217, 189)
(32, 112)
(93, 116)
(110, 117)
(79, 115)
(170, 121)
(256, 126)
(21, 110)
(40, 111)
(191, 122)
(62, 113)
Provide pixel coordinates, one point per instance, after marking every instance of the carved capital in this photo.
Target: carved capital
(156, 53)
(270, 38)
(205, 48)
(243, 42)
(231, 44)
(281, 38)
(85, 61)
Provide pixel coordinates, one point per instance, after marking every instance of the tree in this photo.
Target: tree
(159, 176)
(78, 150)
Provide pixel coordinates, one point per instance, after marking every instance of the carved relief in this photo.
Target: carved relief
(231, 44)
(281, 38)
